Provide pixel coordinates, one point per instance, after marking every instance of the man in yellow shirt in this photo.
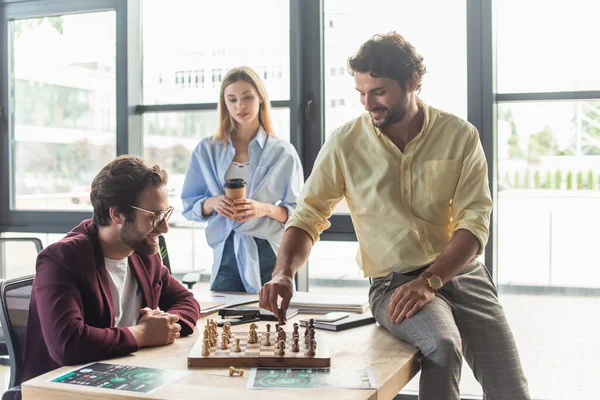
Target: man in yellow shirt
(415, 180)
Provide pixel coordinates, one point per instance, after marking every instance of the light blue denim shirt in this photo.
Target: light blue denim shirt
(277, 178)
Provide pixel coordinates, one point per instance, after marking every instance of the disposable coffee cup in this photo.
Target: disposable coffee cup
(235, 189)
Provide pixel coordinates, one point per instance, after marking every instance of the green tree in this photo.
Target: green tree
(569, 180)
(580, 181)
(507, 180)
(541, 144)
(548, 180)
(517, 183)
(526, 179)
(537, 179)
(590, 180)
(514, 151)
(20, 24)
(558, 179)
(590, 125)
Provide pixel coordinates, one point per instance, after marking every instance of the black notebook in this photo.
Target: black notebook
(266, 315)
(351, 321)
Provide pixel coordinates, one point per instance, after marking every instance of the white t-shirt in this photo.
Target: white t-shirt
(240, 170)
(127, 299)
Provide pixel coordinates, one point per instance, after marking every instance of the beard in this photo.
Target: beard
(392, 115)
(137, 241)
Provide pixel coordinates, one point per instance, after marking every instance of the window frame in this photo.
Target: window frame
(126, 136)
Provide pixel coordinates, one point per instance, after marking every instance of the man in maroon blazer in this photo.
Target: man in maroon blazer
(102, 291)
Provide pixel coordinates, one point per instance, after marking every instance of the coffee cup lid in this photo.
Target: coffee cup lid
(235, 183)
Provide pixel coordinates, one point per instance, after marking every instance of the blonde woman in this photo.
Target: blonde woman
(243, 233)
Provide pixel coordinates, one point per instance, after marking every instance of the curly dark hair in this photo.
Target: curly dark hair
(119, 185)
(388, 55)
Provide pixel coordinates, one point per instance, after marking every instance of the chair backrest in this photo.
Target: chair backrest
(15, 295)
(19, 256)
(164, 254)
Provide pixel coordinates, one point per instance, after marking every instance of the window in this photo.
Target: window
(561, 55)
(444, 85)
(548, 181)
(194, 39)
(64, 114)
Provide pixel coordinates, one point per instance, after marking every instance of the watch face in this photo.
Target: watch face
(436, 282)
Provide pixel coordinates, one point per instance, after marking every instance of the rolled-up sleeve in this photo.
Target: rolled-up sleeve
(294, 185)
(472, 201)
(195, 189)
(323, 190)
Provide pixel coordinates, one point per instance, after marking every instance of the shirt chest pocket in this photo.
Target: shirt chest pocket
(441, 178)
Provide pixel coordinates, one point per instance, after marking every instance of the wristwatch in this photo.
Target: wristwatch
(435, 282)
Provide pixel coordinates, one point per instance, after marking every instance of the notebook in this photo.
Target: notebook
(351, 321)
(316, 303)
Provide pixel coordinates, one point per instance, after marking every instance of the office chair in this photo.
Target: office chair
(15, 295)
(189, 279)
(38, 246)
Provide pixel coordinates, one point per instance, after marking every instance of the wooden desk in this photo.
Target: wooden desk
(393, 364)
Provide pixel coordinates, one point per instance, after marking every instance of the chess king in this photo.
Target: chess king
(416, 183)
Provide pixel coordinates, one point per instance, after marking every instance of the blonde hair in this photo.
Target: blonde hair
(226, 123)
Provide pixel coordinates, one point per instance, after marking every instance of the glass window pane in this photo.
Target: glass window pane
(187, 51)
(349, 23)
(547, 46)
(64, 118)
(169, 140)
(548, 197)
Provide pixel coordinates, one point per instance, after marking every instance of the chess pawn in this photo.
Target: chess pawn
(310, 351)
(224, 342)
(268, 327)
(276, 327)
(268, 340)
(295, 346)
(237, 348)
(205, 350)
(281, 348)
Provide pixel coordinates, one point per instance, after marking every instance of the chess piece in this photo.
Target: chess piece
(267, 340)
(253, 326)
(268, 327)
(205, 350)
(237, 348)
(281, 348)
(276, 327)
(224, 342)
(236, 371)
(281, 335)
(295, 346)
(310, 351)
(281, 318)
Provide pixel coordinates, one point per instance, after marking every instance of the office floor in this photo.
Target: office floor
(557, 339)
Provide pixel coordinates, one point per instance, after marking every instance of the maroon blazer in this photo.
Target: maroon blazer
(71, 316)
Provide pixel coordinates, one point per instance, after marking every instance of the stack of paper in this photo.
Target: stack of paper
(317, 303)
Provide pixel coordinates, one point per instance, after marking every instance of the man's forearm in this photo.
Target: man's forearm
(458, 253)
(293, 252)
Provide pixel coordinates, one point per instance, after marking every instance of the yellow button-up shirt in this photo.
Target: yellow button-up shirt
(405, 206)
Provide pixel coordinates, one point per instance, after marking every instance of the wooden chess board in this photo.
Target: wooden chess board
(259, 355)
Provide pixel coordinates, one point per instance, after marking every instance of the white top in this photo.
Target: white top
(240, 170)
(127, 299)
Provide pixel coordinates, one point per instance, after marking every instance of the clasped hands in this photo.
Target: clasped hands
(240, 210)
(408, 299)
(156, 328)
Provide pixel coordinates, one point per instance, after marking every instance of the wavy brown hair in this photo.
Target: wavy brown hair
(119, 185)
(388, 55)
(226, 122)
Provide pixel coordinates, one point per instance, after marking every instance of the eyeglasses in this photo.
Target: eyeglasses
(159, 216)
